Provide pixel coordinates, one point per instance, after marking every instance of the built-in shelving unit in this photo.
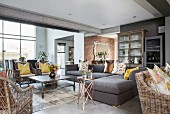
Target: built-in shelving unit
(154, 51)
(71, 54)
(130, 45)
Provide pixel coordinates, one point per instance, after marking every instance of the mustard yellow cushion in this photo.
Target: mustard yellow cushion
(44, 67)
(128, 71)
(24, 68)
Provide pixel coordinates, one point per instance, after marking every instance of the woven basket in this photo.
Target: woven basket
(152, 102)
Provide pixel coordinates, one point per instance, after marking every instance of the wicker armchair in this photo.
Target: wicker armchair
(13, 100)
(151, 101)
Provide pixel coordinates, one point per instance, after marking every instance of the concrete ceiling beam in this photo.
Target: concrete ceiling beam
(110, 30)
(147, 6)
(19, 14)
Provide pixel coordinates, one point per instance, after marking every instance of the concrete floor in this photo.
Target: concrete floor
(130, 107)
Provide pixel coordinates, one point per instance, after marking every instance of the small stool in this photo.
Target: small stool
(85, 91)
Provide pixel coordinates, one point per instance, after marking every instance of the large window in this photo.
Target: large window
(16, 40)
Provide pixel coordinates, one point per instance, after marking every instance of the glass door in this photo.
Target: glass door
(61, 56)
(153, 51)
(136, 49)
(124, 49)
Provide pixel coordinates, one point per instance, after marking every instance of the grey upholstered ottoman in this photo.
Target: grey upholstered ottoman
(114, 90)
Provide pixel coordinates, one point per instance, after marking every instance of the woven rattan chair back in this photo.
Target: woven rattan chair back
(152, 102)
(13, 100)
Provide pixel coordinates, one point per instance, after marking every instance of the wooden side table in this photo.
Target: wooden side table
(85, 91)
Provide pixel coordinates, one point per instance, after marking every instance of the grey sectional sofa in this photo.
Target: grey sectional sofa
(97, 71)
(108, 88)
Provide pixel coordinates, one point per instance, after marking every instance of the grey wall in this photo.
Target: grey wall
(41, 44)
(167, 39)
(150, 25)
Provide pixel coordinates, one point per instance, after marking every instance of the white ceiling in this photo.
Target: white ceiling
(97, 13)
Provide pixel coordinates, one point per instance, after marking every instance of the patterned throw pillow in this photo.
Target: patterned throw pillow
(128, 71)
(161, 80)
(83, 66)
(24, 68)
(121, 67)
(44, 67)
(167, 68)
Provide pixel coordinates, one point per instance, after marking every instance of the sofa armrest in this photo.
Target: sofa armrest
(39, 72)
(36, 71)
(71, 68)
(16, 73)
(132, 74)
(33, 71)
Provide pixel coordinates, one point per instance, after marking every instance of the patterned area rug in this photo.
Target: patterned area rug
(52, 98)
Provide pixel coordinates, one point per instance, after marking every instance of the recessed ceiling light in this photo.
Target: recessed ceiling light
(134, 16)
(104, 24)
(69, 14)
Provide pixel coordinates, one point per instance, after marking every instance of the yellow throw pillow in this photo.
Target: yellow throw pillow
(44, 67)
(128, 71)
(24, 68)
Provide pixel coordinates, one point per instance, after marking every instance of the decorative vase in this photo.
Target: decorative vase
(52, 75)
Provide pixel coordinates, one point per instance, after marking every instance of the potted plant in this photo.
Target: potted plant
(22, 59)
(42, 55)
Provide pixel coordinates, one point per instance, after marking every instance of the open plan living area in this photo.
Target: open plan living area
(84, 57)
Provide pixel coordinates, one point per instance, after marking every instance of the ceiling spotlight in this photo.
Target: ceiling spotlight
(69, 14)
(104, 24)
(134, 16)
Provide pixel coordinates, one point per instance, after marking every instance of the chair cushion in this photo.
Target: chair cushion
(44, 67)
(24, 68)
(113, 85)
